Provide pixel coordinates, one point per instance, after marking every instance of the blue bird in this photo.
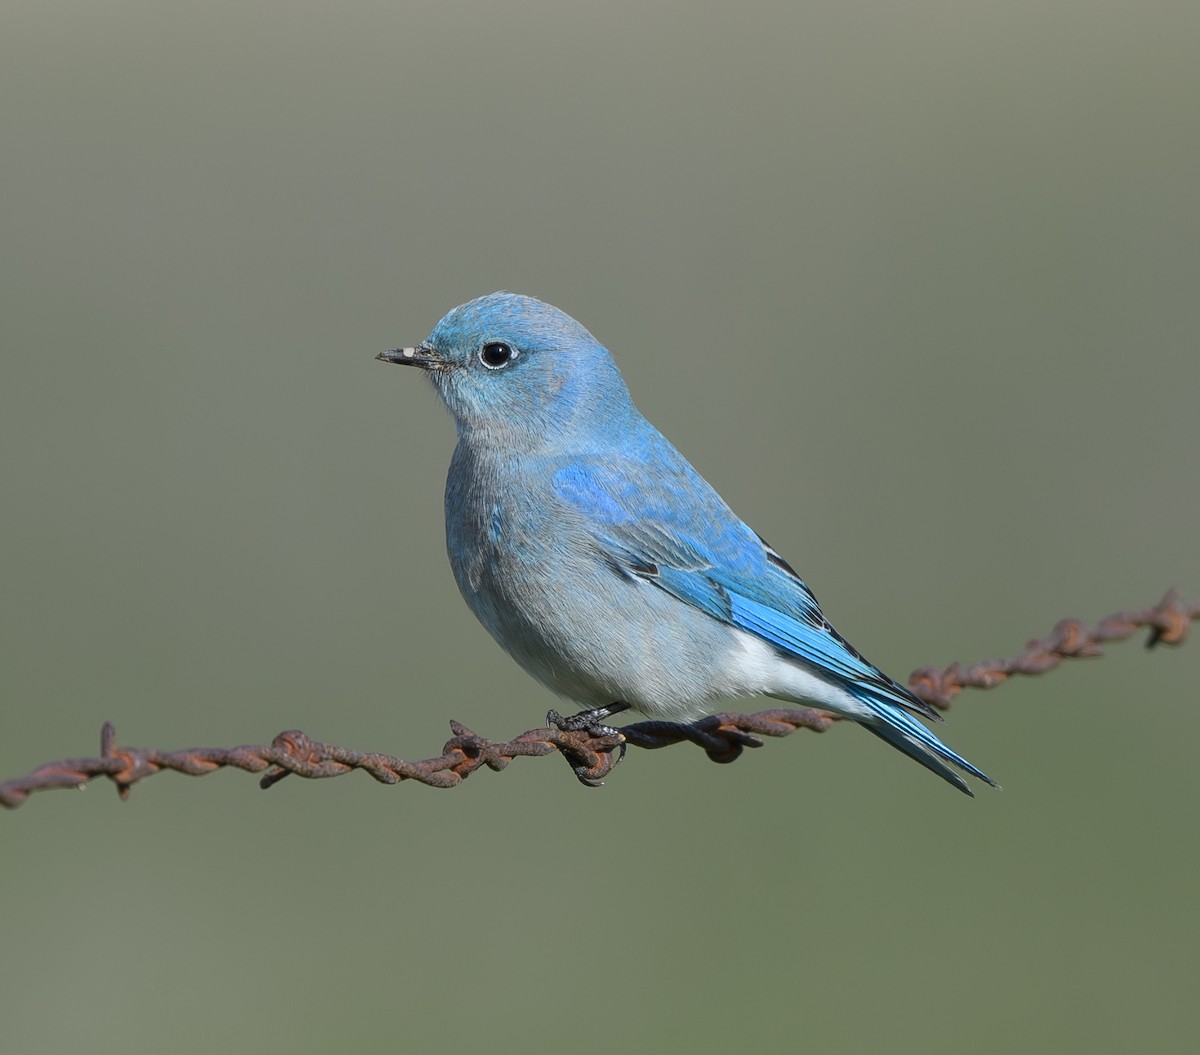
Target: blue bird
(604, 564)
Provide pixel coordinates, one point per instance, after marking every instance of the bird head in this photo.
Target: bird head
(513, 364)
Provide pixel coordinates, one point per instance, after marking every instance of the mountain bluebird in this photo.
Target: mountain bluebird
(604, 564)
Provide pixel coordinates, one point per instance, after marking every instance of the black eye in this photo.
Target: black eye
(496, 354)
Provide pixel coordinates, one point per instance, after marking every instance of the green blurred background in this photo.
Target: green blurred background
(914, 285)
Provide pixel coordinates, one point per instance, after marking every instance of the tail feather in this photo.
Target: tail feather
(919, 753)
(908, 735)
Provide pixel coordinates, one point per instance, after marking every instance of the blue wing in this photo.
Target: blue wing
(691, 544)
(687, 541)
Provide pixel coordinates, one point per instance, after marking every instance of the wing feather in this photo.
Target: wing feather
(700, 552)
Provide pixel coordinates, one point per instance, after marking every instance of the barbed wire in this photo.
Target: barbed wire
(723, 737)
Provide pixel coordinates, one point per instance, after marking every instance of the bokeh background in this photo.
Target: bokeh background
(914, 285)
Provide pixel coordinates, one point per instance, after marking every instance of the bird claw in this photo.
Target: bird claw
(581, 774)
(591, 722)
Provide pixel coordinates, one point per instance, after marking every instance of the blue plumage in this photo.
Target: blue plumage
(604, 563)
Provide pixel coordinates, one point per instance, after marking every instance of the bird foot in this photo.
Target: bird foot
(591, 722)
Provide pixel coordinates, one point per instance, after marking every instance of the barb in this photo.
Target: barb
(723, 737)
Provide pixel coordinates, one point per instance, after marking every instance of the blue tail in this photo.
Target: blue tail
(906, 734)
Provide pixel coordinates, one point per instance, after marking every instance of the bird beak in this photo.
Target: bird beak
(425, 358)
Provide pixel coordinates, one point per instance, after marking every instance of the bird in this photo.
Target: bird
(606, 565)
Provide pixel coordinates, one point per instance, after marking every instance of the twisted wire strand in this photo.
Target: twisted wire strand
(723, 737)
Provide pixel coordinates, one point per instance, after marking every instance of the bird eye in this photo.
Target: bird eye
(496, 354)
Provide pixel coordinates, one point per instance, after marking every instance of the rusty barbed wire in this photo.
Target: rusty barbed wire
(1168, 622)
(723, 737)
